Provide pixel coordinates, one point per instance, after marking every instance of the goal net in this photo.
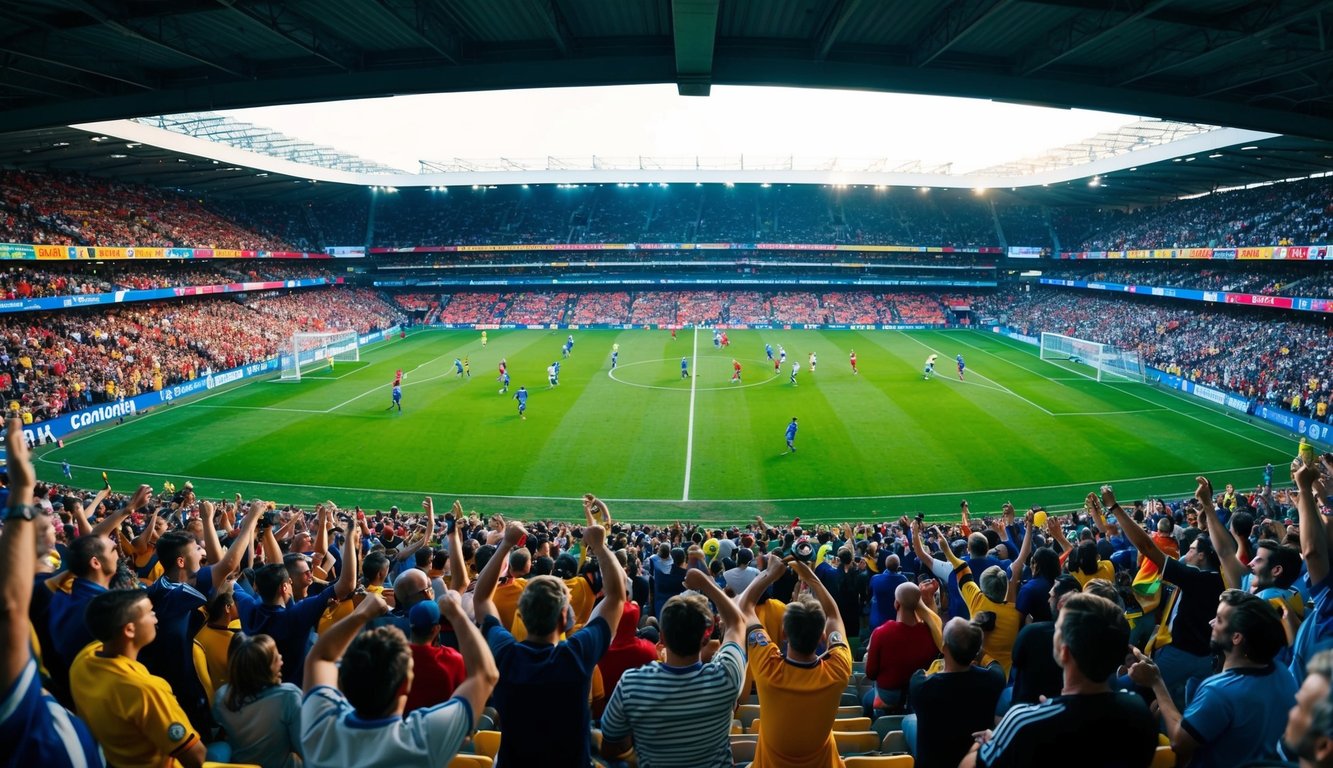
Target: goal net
(1110, 363)
(313, 351)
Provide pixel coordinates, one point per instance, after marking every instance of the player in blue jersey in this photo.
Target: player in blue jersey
(961, 365)
(569, 346)
(522, 397)
(64, 467)
(791, 436)
(458, 367)
(684, 367)
(556, 365)
(504, 382)
(397, 398)
(768, 350)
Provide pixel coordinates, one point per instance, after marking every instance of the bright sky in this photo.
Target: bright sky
(652, 120)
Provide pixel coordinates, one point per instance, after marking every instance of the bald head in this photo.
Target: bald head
(907, 596)
(410, 587)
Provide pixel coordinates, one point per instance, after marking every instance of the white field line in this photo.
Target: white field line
(689, 430)
(1001, 387)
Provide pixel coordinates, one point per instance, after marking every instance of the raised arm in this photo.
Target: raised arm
(321, 664)
(81, 523)
(613, 578)
(1224, 541)
(482, 674)
(833, 627)
(1314, 539)
(140, 543)
(1133, 531)
(230, 562)
(482, 605)
(733, 621)
(750, 597)
(457, 567)
(346, 583)
(1016, 567)
(18, 552)
(212, 546)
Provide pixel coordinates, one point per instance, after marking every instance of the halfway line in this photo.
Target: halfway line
(689, 433)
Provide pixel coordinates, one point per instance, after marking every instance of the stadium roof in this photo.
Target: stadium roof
(1260, 66)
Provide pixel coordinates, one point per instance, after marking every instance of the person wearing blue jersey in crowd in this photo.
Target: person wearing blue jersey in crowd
(522, 397)
(34, 729)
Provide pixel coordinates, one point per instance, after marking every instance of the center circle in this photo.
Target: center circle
(758, 371)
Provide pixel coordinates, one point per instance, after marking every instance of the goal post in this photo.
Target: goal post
(1110, 363)
(312, 351)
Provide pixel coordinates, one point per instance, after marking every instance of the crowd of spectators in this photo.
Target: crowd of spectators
(1293, 213)
(55, 362)
(1278, 359)
(57, 209)
(22, 280)
(1308, 279)
(153, 628)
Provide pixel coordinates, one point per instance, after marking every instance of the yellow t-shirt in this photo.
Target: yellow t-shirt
(798, 704)
(999, 644)
(581, 599)
(132, 713)
(1105, 570)
(214, 644)
(505, 598)
(343, 608)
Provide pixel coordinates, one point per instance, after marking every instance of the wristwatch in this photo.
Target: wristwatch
(20, 512)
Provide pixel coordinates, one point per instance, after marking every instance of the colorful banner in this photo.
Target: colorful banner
(117, 253)
(841, 247)
(121, 297)
(1262, 253)
(1253, 299)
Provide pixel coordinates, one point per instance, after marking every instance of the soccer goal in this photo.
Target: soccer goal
(1110, 363)
(312, 351)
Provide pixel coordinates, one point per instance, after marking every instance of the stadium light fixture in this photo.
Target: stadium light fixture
(730, 184)
(698, 184)
(1215, 155)
(100, 138)
(1247, 149)
(1095, 181)
(765, 185)
(117, 156)
(979, 190)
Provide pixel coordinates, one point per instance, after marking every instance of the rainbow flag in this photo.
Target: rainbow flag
(1148, 581)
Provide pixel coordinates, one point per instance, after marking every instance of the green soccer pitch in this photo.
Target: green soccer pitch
(659, 447)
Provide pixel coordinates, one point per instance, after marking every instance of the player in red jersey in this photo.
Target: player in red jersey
(853, 361)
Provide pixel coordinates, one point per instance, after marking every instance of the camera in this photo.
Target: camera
(268, 519)
(804, 550)
(449, 523)
(921, 517)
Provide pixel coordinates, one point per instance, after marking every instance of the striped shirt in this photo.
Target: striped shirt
(680, 716)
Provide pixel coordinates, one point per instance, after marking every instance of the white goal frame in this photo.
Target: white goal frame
(308, 351)
(1109, 363)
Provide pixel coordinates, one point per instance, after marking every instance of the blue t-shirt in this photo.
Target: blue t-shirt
(1238, 716)
(289, 626)
(171, 654)
(68, 629)
(521, 396)
(1034, 599)
(882, 589)
(37, 731)
(1316, 632)
(791, 431)
(543, 694)
(397, 393)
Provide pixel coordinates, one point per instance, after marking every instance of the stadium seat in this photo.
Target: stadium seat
(211, 764)
(468, 761)
(894, 742)
(879, 761)
(849, 698)
(747, 713)
(754, 726)
(859, 666)
(1164, 758)
(851, 724)
(742, 752)
(856, 742)
(884, 725)
(850, 711)
(486, 743)
(736, 727)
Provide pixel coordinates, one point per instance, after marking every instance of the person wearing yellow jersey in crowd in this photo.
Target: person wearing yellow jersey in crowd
(213, 640)
(133, 714)
(511, 587)
(799, 691)
(996, 594)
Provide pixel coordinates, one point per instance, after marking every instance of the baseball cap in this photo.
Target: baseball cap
(424, 615)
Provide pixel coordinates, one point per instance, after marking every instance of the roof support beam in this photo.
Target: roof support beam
(111, 22)
(694, 29)
(298, 31)
(555, 25)
(1085, 30)
(427, 28)
(1195, 46)
(833, 25)
(1292, 63)
(956, 22)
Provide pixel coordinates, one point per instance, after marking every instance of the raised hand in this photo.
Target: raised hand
(514, 533)
(1204, 493)
(594, 537)
(696, 579)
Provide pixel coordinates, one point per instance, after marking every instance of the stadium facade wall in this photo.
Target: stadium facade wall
(1259, 253)
(1299, 303)
(28, 252)
(122, 297)
(1301, 425)
(69, 423)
